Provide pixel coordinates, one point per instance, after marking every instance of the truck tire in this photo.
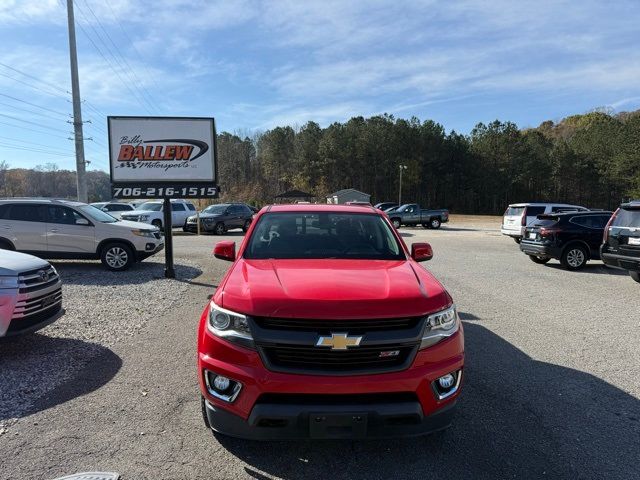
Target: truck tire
(574, 257)
(157, 223)
(435, 223)
(635, 276)
(6, 245)
(539, 260)
(117, 256)
(396, 223)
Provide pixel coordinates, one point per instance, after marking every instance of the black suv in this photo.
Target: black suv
(220, 218)
(621, 242)
(572, 237)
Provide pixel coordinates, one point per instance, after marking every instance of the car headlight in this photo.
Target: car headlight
(143, 233)
(229, 325)
(439, 326)
(9, 282)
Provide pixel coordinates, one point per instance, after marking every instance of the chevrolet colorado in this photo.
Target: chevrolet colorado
(326, 326)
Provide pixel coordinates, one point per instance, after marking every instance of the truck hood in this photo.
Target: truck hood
(12, 263)
(141, 212)
(331, 289)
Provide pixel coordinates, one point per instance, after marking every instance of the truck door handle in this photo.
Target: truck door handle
(54, 230)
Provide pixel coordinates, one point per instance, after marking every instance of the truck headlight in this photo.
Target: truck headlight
(232, 326)
(143, 233)
(439, 326)
(9, 282)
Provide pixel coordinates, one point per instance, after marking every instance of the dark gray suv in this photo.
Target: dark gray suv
(220, 218)
(621, 245)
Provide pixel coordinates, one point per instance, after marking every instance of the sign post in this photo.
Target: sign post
(163, 157)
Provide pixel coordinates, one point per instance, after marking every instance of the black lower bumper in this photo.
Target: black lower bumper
(27, 325)
(538, 250)
(295, 422)
(140, 255)
(620, 261)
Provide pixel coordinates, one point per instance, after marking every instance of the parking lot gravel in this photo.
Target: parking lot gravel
(102, 308)
(552, 380)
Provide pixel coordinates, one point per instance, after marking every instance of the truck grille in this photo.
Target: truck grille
(312, 359)
(21, 324)
(325, 326)
(39, 279)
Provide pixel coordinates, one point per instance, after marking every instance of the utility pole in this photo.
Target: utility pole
(402, 167)
(81, 176)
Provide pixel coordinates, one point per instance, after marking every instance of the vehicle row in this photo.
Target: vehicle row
(575, 235)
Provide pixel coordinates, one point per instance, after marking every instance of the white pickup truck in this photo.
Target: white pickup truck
(152, 212)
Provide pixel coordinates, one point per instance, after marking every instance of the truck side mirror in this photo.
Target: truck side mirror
(421, 252)
(225, 250)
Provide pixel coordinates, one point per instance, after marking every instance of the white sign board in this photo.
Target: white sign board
(166, 156)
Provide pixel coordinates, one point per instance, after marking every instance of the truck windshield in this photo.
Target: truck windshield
(150, 206)
(323, 235)
(402, 208)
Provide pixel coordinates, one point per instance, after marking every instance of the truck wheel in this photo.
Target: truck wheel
(157, 223)
(539, 260)
(434, 223)
(396, 223)
(246, 226)
(204, 412)
(117, 256)
(219, 229)
(6, 245)
(635, 276)
(574, 257)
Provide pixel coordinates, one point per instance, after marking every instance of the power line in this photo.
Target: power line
(55, 87)
(32, 123)
(133, 45)
(30, 111)
(37, 150)
(35, 87)
(21, 127)
(129, 71)
(25, 141)
(34, 105)
(99, 50)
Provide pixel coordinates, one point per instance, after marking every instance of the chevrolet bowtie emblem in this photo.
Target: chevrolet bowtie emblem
(338, 341)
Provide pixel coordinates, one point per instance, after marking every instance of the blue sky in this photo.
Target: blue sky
(254, 65)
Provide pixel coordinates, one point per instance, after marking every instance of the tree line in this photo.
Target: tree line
(591, 159)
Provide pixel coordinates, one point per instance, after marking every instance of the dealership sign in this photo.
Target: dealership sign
(159, 157)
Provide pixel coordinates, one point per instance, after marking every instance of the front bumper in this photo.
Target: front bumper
(275, 421)
(620, 261)
(142, 254)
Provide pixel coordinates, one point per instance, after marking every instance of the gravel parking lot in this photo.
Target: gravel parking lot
(552, 384)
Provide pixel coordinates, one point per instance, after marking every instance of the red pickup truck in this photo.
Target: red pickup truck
(326, 326)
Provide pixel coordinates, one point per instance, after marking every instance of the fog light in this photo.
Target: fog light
(221, 383)
(445, 382)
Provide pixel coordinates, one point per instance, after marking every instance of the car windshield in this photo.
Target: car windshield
(97, 214)
(215, 209)
(323, 235)
(150, 206)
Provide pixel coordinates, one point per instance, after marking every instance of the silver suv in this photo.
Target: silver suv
(65, 229)
(30, 294)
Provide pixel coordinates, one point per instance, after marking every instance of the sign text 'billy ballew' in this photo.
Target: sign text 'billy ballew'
(166, 154)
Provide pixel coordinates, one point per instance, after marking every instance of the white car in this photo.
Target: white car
(152, 212)
(66, 229)
(30, 294)
(519, 215)
(115, 209)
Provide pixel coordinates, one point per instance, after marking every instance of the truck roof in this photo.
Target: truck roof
(321, 208)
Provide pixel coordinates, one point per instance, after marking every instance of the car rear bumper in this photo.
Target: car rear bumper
(538, 250)
(620, 261)
(517, 233)
(273, 421)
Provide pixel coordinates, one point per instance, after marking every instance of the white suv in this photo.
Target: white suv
(65, 229)
(152, 212)
(30, 294)
(519, 215)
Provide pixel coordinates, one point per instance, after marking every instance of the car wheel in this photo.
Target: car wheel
(635, 276)
(204, 412)
(117, 256)
(157, 223)
(396, 223)
(435, 223)
(539, 260)
(219, 229)
(6, 245)
(516, 239)
(574, 257)
(246, 226)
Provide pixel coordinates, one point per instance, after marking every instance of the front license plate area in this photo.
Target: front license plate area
(331, 425)
(634, 241)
